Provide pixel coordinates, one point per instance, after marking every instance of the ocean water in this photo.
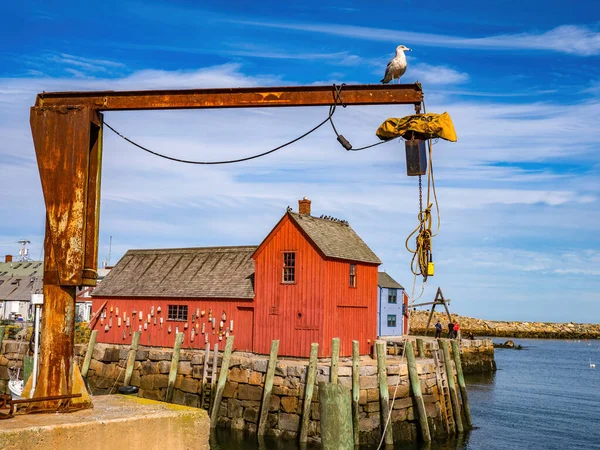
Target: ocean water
(545, 396)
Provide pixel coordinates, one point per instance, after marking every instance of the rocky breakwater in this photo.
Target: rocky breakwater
(476, 356)
(241, 404)
(494, 328)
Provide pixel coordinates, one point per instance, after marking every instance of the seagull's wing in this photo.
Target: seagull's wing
(388, 72)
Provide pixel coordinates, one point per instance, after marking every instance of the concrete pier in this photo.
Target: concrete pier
(115, 422)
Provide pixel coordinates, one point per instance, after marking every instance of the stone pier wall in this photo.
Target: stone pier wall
(240, 407)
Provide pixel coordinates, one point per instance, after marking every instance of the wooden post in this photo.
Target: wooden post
(429, 319)
(135, 340)
(415, 385)
(384, 394)
(452, 386)
(204, 375)
(336, 417)
(461, 383)
(88, 353)
(213, 375)
(421, 348)
(266, 400)
(335, 357)
(27, 367)
(222, 380)
(311, 375)
(355, 391)
(2, 331)
(174, 363)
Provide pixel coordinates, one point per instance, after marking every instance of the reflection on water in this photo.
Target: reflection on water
(544, 397)
(222, 439)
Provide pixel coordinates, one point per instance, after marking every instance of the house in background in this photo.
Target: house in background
(83, 299)
(207, 293)
(392, 307)
(310, 280)
(315, 279)
(18, 281)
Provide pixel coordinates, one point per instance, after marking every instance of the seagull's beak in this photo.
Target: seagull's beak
(409, 49)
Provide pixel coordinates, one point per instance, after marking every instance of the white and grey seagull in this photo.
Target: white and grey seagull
(397, 66)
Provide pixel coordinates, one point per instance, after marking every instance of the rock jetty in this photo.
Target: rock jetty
(494, 328)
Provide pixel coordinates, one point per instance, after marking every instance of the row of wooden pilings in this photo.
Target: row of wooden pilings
(338, 405)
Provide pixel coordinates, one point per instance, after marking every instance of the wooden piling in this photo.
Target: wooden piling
(204, 393)
(174, 363)
(355, 391)
(311, 375)
(384, 393)
(266, 400)
(335, 358)
(336, 417)
(420, 348)
(461, 383)
(213, 376)
(415, 386)
(27, 367)
(135, 340)
(2, 331)
(222, 380)
(88, 353)
(452, 386)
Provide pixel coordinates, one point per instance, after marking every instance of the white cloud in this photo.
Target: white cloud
(429, 74)
(569, 39)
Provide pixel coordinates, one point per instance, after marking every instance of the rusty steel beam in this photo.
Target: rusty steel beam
(252, 97)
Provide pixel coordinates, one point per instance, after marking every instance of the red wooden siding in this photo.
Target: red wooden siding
(292, 313)
(350, 312)
(240, 311)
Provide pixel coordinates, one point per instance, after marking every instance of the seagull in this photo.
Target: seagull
(397, 66)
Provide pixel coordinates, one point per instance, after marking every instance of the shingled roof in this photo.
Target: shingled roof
(385, 281)
(335, 239)
(215, 272)
(19, 288)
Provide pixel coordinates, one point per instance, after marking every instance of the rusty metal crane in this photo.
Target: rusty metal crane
(67, 135)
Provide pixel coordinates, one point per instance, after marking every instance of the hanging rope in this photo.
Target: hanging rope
(422, 260)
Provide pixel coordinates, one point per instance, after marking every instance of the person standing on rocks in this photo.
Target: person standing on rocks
(457, 330)
(450, 330)
(438, 330)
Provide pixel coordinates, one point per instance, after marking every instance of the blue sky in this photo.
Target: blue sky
(519, 191)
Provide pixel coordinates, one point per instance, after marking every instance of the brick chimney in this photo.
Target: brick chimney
(304, 206)
(8, 258)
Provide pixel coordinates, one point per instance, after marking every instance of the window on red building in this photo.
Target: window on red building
(289, 267)
(352, 275)
(178, 312)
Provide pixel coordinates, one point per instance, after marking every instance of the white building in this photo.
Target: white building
(391, 307)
